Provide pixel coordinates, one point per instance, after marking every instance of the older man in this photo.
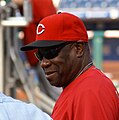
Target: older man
(63, 51)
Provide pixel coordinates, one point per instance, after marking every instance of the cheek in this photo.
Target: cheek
(68, 66)
(61, 66)
(65, 60)
(64, 67)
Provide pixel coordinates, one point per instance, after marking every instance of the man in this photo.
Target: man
(62, 44)
(11, 109)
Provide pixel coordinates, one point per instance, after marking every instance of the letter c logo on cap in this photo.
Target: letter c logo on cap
(42, 29)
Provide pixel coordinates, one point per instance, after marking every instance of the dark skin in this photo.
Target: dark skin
(63, 69)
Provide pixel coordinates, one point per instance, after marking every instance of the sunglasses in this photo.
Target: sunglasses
(50, 52)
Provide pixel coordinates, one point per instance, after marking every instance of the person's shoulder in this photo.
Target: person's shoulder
(11, 108)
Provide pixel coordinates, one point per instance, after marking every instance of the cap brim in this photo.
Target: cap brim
(40, 44)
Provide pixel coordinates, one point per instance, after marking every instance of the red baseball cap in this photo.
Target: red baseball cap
(57, 29)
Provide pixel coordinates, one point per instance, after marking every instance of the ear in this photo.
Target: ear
(79, 49)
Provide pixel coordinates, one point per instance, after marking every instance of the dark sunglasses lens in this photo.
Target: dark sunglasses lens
(49, 54)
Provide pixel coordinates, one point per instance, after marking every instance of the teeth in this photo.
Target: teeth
(48, 73)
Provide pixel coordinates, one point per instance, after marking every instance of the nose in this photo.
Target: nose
(45, 63)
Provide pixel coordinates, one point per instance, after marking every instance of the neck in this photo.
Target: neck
(85, 68)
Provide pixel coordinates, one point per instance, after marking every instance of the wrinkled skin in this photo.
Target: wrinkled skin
(61, 70)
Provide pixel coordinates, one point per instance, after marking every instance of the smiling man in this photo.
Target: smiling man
(63, 52)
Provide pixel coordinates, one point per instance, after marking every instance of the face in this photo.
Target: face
(60, 70)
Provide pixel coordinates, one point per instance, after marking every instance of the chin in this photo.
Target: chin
(56, 84)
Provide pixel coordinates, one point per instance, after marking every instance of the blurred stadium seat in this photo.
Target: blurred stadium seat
(88, 9)
(89, 3)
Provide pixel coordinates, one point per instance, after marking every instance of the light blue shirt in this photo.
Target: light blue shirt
(12, 109)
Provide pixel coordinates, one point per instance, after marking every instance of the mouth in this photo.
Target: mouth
(49, 74)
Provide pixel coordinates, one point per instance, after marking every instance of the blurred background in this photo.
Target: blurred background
(20, 74)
